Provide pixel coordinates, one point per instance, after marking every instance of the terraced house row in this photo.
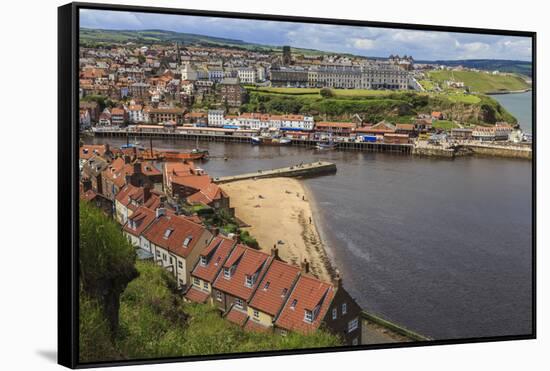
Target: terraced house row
(260, 292)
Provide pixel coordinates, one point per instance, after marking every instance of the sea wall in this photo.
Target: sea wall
(501, 151)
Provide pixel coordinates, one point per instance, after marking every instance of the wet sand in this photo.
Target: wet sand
(279, 212)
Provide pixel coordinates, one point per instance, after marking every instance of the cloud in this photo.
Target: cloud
(366, 41)
(364, 44)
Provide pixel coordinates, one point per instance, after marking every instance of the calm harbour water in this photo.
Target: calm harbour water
(519, 105)
(442, 247)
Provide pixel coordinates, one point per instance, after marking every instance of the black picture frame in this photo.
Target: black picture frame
(68, 197)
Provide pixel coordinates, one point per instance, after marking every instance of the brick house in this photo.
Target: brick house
(234, 286)
(208, 267)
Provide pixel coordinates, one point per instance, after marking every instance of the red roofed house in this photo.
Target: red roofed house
(314, 304)
(336, 128)
(235, 284)
(208, 267)
(271, 294)
(113, 178)
(130, 198)
(118, 116)
(176, 243)
(211, 195)
(137, 224)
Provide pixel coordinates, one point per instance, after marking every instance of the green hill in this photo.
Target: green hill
(155, 322)
(374, 106)
(481, 82)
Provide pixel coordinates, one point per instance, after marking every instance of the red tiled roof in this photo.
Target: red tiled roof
(208, 194)
(308, 293)
(349, 125)
(147, 168)
(130, 192)
(89, 150)
(142, 217)
(405, 126)
(197, 182)
(237, 316)
(217, 252)
(115, 172)
(88, 195)
(274, 287)
(181, 229)
(247, 262)
(196, 295)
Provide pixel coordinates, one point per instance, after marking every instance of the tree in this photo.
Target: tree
(326, 93)
(106, 261)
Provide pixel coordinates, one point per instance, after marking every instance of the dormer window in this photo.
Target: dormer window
(168, 232)
(218, 261)
(227, 272)
(266, 286)
(187, 241)
(293, 304)
(204, 261)
(308, 316)
(249, 281)
(283, 293)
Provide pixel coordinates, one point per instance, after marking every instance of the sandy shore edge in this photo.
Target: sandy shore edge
(281, 212)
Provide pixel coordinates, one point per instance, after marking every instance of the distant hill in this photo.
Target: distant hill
(502, 65)
(90, 36)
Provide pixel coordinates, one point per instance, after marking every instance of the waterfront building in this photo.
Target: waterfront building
(118, 116)
(135, 114)
(461, 133)
(160, 115)
(337, 128)
(216, 118)
(85, 121)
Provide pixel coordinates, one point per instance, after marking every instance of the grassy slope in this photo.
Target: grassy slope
(481, 82)
(375, 105)
(155, 322)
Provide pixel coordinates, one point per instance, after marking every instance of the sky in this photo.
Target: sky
(365, 41)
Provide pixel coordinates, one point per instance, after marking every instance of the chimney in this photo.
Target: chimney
(338, 280)
(128, 178)
(127, 159)
(275, 252)
(305, 266)
(135, 152)
(146, 193)
(107, 148)
(160, 211)
(215, 231)
(137, 167)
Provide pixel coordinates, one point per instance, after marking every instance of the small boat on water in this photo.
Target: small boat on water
(270, 140)
(326, 145)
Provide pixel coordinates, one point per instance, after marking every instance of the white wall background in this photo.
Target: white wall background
(28, 198)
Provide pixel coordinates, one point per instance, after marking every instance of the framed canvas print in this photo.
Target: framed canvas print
(240, 185)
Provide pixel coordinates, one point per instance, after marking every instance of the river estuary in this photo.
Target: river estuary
(442, 247)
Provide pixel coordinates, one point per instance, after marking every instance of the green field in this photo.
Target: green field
(345, 93)
(480, 82)
(444, 124)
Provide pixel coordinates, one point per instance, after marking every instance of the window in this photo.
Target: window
(256, 314)
(205, 285)
(344, 308)
(308, 316)
(353, 325)
(293, 304)
(171, 260)
(181, 282)
(203, 260)
(180, 264)
(334, 313)
(355, 341)
(158, 253)
(239, 303)
(285, 290)
(227, 273)
(164, 256)
(187, 241)
(167, 233)
(196, 281)
(266, 286)
(283, 333)
(249, 281)
(218, 296)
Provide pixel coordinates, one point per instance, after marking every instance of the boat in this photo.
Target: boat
(270, 140)
(326, 145)
(195, 154)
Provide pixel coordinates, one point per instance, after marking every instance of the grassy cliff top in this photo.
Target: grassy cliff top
(481, 82)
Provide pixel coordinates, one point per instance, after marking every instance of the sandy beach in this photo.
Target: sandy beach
(279, 212)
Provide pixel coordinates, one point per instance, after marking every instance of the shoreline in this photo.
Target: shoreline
(279, 212)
